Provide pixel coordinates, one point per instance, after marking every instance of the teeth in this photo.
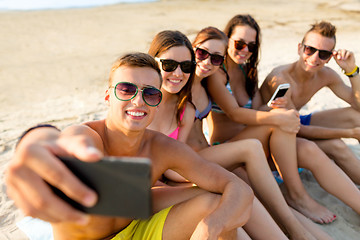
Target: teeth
(136, 114)
(174, 80)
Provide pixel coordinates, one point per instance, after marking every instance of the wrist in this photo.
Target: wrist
(352, 73)
(26, 132)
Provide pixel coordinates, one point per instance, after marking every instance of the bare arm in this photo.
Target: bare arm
(317, 132)
(186, 123)
(34, 161)
(346, 60)
(236, 195)
(287, 119)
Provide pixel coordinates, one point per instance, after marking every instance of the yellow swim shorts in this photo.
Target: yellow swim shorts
(149, 229)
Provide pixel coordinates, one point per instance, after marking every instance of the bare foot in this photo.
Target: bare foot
(311, 209)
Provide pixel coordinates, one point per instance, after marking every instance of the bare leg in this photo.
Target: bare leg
(194, 204)
(283, 148)
(230, 155)
(311, 226)
(328, 174)
(261, 225)
(337, 150)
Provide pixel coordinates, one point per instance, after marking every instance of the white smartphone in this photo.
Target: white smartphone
(279, 92)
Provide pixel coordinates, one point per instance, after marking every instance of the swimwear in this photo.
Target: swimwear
(215, 107)
(201, 115)
(149, 229)
(305, 119)
(175, 133)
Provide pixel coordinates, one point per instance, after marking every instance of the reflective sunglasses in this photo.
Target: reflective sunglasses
(323, 54)
(241, 44)
(125, 91)
(215, 59)
(169, 65)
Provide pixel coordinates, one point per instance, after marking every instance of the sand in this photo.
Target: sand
(54, 65)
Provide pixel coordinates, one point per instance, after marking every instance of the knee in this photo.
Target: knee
(309, 154)
(336, 145)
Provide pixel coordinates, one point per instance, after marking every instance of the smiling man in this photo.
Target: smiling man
(221, 203)
(306, 77)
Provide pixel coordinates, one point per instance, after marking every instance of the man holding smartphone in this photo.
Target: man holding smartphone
(220, 205)
(307, 76)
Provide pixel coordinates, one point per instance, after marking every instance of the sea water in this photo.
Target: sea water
(24, 5)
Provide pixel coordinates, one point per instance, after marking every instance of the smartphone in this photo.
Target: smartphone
(279, 92)
(123, 185)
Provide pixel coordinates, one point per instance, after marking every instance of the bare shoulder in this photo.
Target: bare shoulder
(219, 75)
(328, 76)
(278, 75)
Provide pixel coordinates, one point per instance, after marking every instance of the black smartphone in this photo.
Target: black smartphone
(279, 92)
(123, 185)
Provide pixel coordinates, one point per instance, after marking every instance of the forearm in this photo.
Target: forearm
(254, 117)
(316, 132)
(234, 208)
(38, 133)
(355, 83)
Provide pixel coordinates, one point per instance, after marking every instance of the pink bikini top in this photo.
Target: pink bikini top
(175, 133)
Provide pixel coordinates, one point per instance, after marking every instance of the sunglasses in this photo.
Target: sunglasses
(169, 65)
(241, 44)
(215, 59)
(125, 91)
(323, 54)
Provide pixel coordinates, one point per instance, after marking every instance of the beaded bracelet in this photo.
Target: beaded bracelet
(32, 128)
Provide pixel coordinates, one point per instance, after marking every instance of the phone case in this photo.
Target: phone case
(123, 185)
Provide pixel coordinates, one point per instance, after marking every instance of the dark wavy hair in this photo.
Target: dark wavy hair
(162, 42)
(252, 64)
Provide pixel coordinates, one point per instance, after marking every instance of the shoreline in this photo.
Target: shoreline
(54, 66)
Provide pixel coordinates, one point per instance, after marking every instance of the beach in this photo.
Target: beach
(54, 67)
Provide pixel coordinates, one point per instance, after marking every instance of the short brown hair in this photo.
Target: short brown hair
(136, 59)
(323, 28)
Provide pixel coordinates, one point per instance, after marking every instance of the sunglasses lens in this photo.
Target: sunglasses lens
(152, 96)
(125, 91)
(169, 65)
(217, 60)
(324, 55)
(309, 50)
(239, 44)
(201, 54)
(187, 66)
(252, 47)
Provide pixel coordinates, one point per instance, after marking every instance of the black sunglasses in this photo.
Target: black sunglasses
(125, 91)
(215, 59)
(323, 54)
(169, 65)
(241, 44)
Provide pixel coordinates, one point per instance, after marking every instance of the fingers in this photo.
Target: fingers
(80, 147)
(36, 199)
(342, 54)
(53, 171)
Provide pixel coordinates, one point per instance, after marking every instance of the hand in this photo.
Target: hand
(345, 59)
(289, 120)
(280, 102)
(356, 133)
(34, 162)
